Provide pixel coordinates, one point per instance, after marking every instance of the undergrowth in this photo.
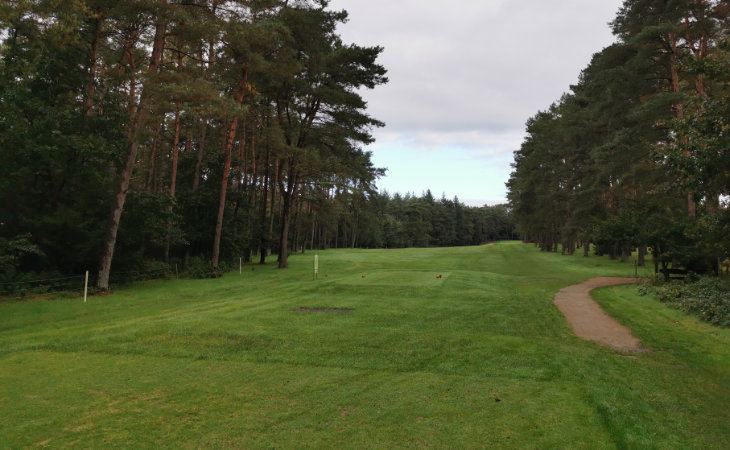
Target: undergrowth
(708, 298)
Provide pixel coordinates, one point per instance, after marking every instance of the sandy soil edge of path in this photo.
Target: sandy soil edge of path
(589, 321)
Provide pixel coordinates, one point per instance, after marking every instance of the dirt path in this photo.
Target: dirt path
(588, 319)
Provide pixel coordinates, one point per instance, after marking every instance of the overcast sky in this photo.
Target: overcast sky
(465, 75)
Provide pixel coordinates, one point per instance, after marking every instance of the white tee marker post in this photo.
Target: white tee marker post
(86, 285)
(316, 266)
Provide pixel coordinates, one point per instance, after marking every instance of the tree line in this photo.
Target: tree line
(635, 156)
(144, 133)
(169, 129)
(400, 221)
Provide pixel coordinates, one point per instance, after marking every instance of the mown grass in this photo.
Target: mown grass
(477, 358)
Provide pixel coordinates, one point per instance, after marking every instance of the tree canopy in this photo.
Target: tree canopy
(635, 155)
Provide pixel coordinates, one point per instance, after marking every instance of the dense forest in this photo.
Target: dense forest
(637, 155)
(142, 135)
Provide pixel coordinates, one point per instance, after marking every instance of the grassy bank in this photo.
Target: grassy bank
(478, 357)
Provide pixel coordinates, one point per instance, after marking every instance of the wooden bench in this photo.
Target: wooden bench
(674, 274)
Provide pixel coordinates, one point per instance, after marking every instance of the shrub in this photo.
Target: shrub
(144, 269)
(709, 298)
(200, 268)
(22, 284)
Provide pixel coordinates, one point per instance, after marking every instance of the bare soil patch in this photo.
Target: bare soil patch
(589, 321)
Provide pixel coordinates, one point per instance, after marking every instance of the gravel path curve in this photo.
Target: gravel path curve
(588, 319)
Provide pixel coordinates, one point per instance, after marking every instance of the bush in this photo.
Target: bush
(21, 284)
(146, 269)
(200, 268)
(691, 277)
(709, 298)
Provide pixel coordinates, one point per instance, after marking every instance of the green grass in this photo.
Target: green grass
(478, 358)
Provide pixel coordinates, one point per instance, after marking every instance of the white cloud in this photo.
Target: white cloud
(475, 142)
(469, 73)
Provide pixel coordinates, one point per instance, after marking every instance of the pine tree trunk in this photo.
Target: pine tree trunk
(297, 226)
(288, 198)
(353, 238)
(641, 259)
(614, 252)
(224, 189)
(151, 165)
(337, 235)
(230, 139)
(254, 174)
(625, 253)
(267, 176)
(277, 177)
(295, 238)
(314, 222)
(175, 140)
(138, 121)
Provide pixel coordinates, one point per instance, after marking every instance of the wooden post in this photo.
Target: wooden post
(177, 276)
(86, 285)
(316, 266)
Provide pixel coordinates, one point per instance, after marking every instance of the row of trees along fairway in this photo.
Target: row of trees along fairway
(149, 134)
(637, 154)
(397, 221)
(175, 129)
